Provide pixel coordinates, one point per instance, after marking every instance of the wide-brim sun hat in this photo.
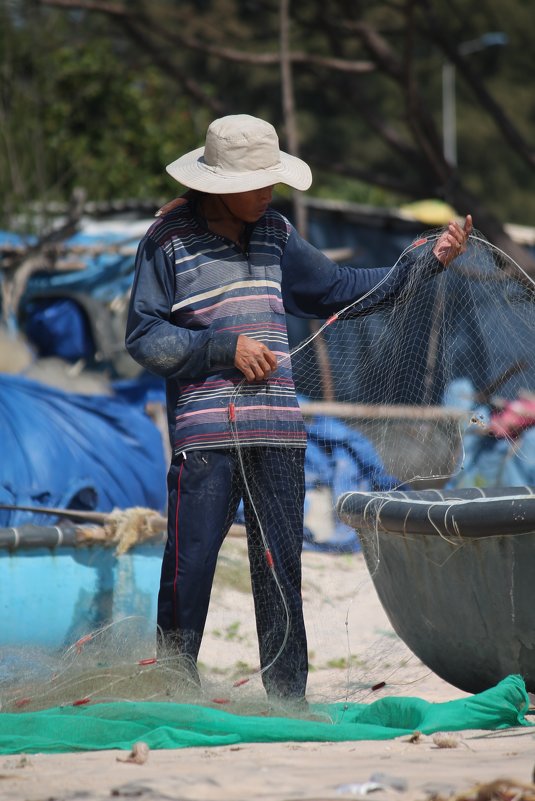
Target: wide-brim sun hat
(241, 153)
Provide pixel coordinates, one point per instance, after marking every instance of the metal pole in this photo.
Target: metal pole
(449, 117)
(449, 114)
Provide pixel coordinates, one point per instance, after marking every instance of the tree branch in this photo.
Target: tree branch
(224, 53)
(369, 176)
(114, 9)
(417, 116)
(137, 26)
(169, 67)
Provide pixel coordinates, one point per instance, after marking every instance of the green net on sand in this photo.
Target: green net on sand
(101, 726)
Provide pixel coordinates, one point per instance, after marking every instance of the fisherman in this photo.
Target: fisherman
(215, 274)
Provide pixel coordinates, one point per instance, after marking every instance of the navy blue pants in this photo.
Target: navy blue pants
(205, 488)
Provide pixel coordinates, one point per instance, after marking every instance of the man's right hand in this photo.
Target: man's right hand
(254, 359)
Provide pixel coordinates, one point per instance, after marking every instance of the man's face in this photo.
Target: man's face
(249, 206)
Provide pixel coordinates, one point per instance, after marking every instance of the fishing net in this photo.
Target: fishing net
(402, 385)
(416, 375)
(117, 661)
(390, 396)
(164, 725)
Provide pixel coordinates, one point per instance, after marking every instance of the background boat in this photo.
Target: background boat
(60, 583)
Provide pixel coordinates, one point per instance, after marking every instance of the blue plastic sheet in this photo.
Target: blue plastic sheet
(107, 274)
(69, 313)
(488, 461)
(342, 459)
(65, 450)
(59, 328)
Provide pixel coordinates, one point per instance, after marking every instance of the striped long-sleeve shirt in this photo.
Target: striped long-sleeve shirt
(195, 292)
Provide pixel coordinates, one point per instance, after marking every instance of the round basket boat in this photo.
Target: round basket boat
(455, 573)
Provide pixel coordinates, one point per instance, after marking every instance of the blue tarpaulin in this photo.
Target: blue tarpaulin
(65, 450)
(59, 328)
(80, 313)
(488, 460)
(342, 459)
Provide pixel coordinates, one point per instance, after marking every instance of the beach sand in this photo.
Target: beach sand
(352, 648)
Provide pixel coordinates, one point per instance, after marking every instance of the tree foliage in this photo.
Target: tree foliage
(79, 108)
(103, 93)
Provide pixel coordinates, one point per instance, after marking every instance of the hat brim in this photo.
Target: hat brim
(192, 171)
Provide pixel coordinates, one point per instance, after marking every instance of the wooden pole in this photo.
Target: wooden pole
(299, 207)
(364, 411)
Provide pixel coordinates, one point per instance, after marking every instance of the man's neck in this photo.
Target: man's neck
(220, 219)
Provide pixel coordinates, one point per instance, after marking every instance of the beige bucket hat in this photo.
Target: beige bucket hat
(241, 153)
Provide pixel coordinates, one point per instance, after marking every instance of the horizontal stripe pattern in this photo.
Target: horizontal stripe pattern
(225, 290)
(236, 306)
(219, 288)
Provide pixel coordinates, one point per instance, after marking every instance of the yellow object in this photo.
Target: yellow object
(432, 212)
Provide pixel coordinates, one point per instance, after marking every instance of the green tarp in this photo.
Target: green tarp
(169, 725)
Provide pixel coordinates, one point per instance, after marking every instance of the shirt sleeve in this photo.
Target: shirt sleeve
(315, 286)
(153, 340)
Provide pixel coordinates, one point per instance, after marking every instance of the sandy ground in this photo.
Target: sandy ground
(352, 648)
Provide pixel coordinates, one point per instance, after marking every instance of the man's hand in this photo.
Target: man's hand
(453, 241)
(254, 359)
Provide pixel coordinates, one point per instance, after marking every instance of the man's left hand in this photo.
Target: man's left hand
(453, 241)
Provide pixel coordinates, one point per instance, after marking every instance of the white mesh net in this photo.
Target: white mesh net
(406, 384)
